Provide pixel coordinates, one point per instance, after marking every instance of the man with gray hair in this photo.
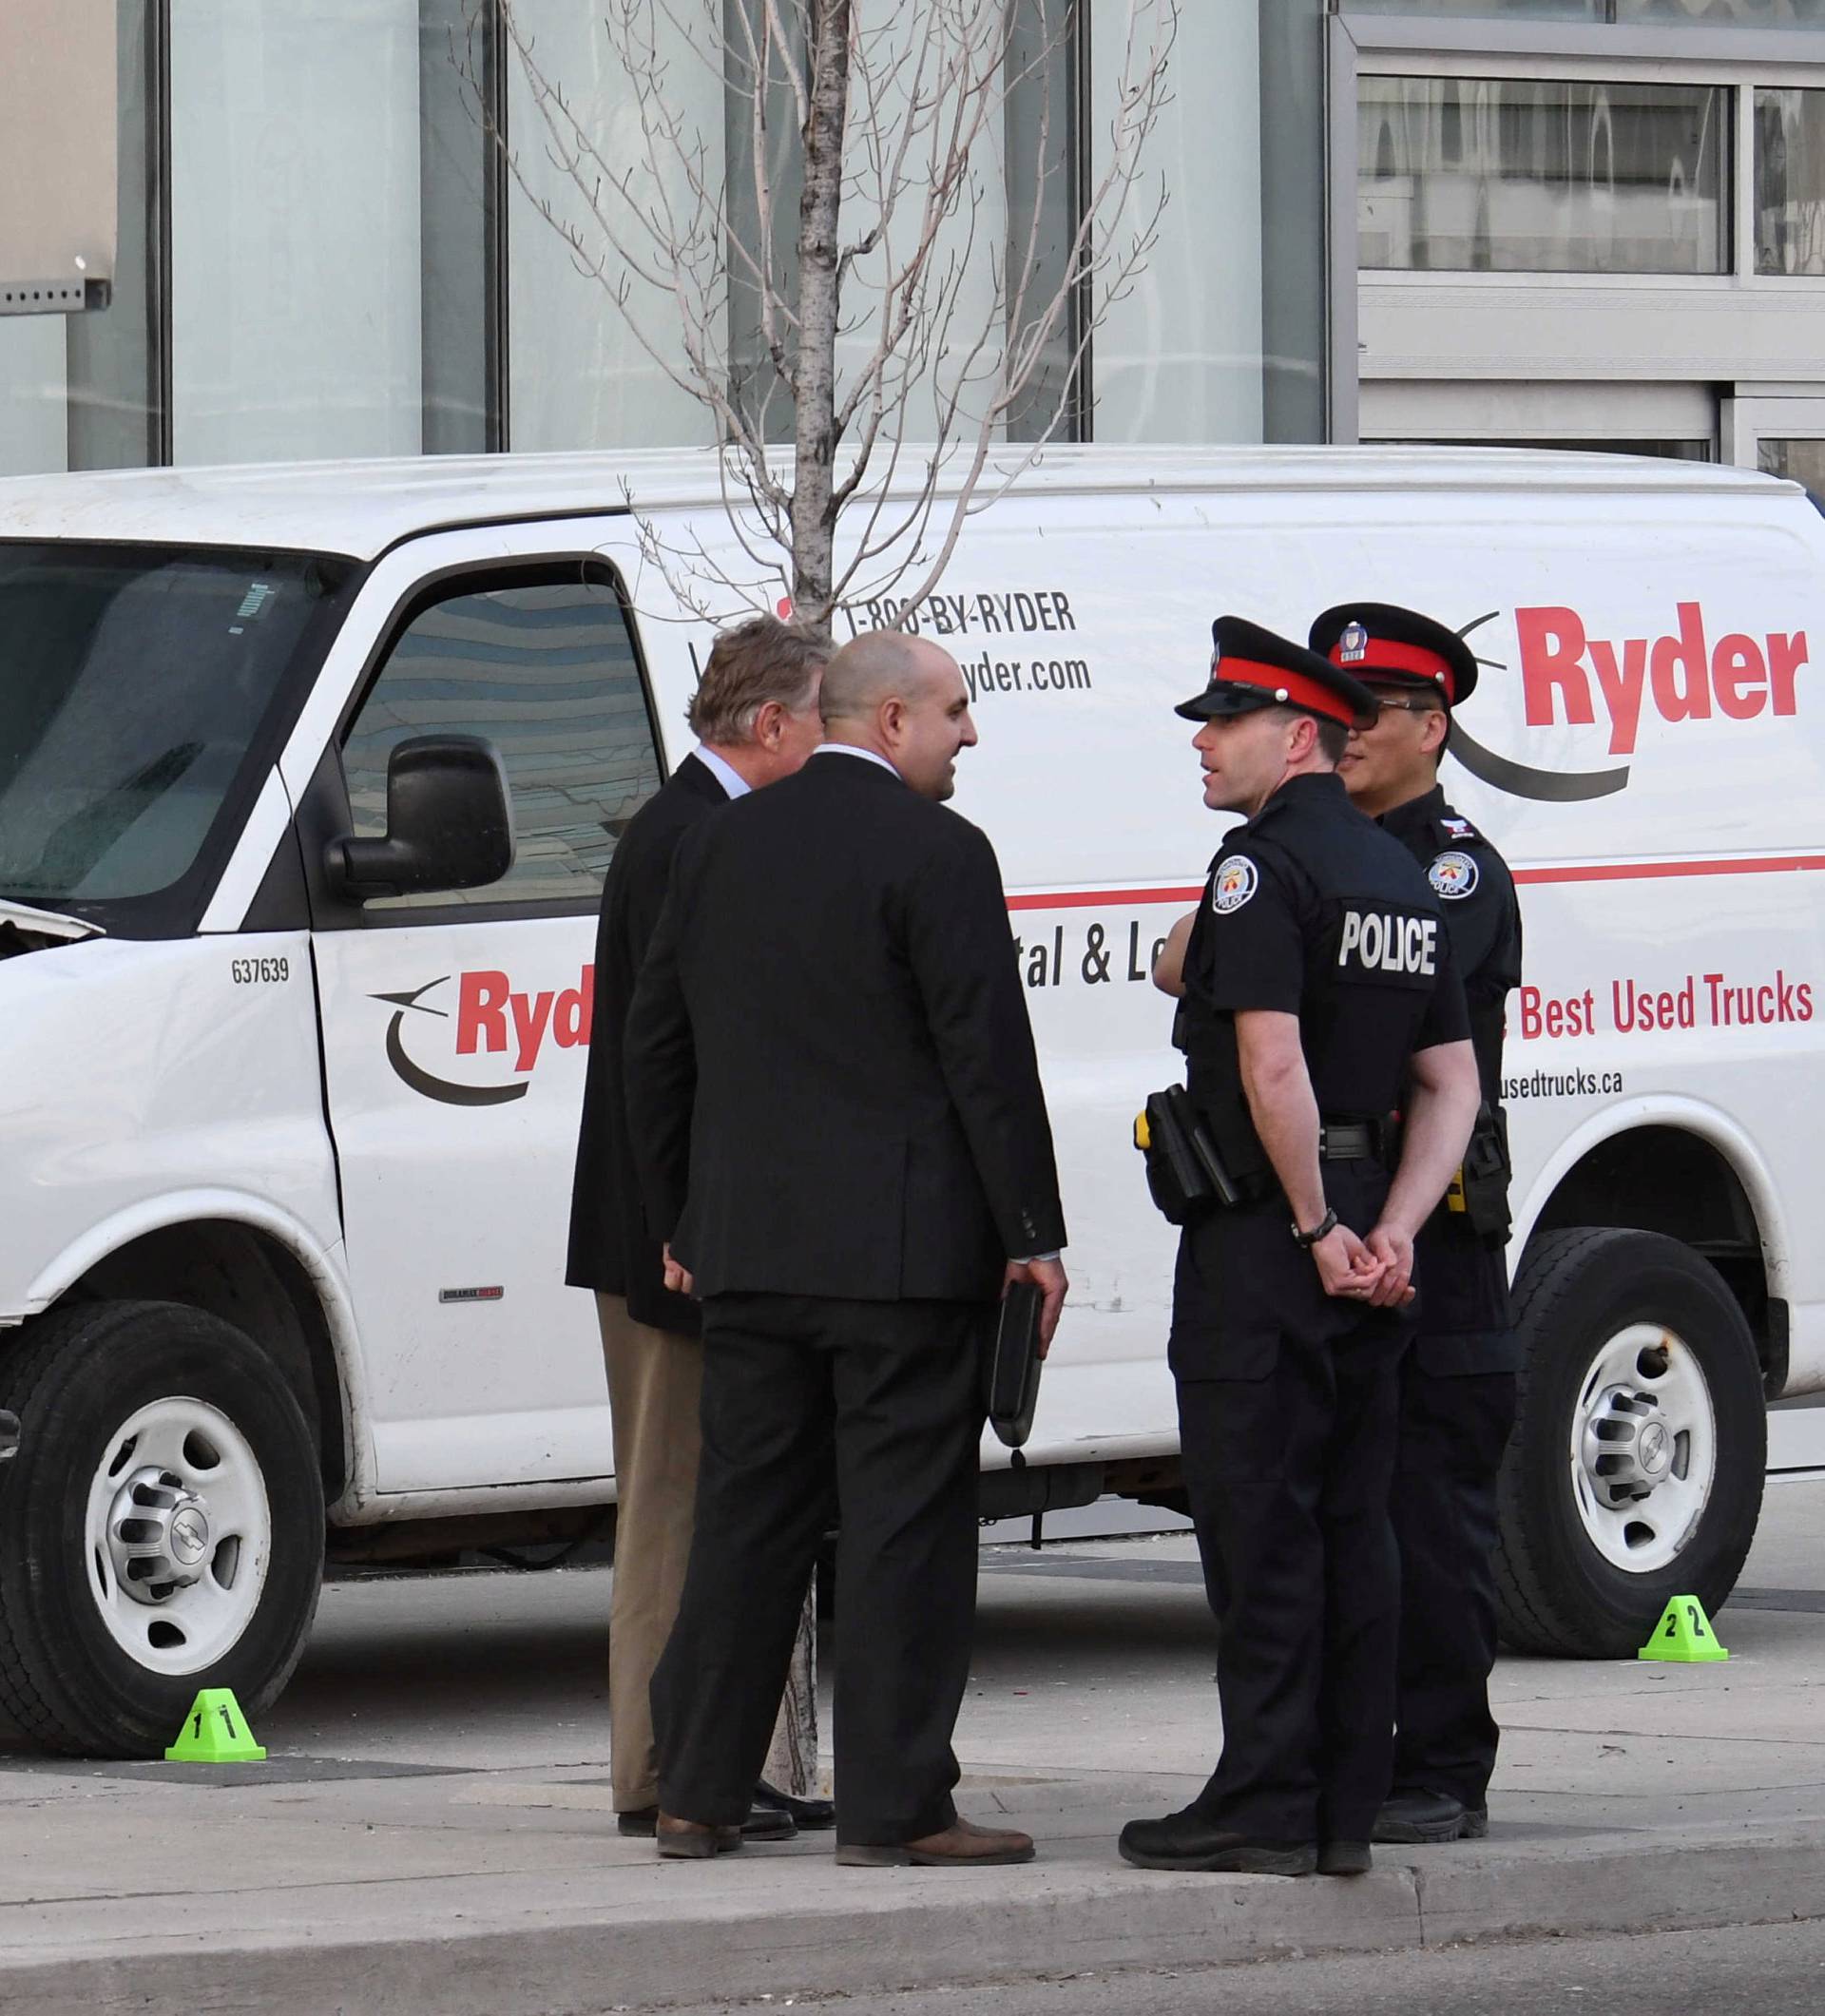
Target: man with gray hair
(840, 1130)
(754, 713)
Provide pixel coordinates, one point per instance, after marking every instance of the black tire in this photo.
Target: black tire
(1556, 1592)
(76, 1377)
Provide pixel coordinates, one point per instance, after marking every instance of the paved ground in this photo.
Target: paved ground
(1759, 1971)
(434, 1833)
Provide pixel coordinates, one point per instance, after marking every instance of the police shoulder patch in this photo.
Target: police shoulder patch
(1235, 881)
(1452, 875)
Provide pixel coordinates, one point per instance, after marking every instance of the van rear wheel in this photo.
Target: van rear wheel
(161, 1528)
(1634, 1472)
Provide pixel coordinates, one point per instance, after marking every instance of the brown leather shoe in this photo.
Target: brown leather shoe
(962, 1845)
(691, 1840)
(763, 1823)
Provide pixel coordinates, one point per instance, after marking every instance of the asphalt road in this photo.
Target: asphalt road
(1758, 1971)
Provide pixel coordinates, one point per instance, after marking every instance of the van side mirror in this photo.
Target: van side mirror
(449, 823)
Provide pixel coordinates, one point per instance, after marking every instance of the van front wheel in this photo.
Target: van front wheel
(160, 1529)
(1636, 1470)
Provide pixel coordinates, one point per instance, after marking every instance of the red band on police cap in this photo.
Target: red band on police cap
(1300, 689)
(1382, 654)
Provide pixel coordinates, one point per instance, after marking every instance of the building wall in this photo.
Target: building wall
(1599, 225)
(324, 252)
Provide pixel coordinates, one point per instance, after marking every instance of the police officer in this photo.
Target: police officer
(1457, 1383)
(1318, 993)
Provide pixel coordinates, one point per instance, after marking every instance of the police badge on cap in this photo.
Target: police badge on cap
(1392, 646)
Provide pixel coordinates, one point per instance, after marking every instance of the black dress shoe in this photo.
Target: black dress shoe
(763, 1823)
(767, 1822)
(1344, 1858)
(1417, 1818)
(1187, 1840)
(814, 1815)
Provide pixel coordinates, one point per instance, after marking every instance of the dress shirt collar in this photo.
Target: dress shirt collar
(868, 756)
(724, 773)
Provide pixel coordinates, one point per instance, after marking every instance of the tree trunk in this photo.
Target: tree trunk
(814, 521)
(792, 1758)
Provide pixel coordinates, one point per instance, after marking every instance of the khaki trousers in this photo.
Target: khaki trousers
(655, 1381)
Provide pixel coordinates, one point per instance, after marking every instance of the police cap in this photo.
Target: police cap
(1251, 668)
(1390, 647)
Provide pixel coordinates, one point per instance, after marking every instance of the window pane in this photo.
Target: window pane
(582, 376)
(1476, 175)
(1724, 13)
(295, 196)
(1177, 356)
(546, 673)
(114, 422)
(1790, 181)
(1800, 460)
(1510, 10)
(131, 685)
(34, 391)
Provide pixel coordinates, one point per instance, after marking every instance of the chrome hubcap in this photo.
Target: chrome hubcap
(179, 1535)
(158, 1535)
(1643, 1448)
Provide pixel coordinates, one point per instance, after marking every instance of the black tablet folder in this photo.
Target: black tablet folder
(1013, 1365)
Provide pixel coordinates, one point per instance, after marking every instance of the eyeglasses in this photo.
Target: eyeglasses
(1401, 707)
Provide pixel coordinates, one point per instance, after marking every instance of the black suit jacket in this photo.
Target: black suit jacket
(610, 1248)
(829, 1071)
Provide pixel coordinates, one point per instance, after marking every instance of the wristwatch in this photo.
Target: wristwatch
(1328, 1223)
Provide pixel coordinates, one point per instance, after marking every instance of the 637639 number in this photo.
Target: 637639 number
(258, 972)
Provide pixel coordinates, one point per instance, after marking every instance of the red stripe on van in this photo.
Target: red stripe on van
(1080, 898)
(1659, 871)
(1786, 864)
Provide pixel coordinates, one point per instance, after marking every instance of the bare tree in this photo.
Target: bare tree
(820, 345)
(902, 303)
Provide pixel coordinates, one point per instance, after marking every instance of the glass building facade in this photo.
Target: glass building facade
(360, 228)
(325, 253)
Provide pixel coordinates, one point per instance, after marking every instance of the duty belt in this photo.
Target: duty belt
(1346, 1141)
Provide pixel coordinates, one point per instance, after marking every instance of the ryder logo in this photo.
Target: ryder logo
(491, 1017)
(1566, 674)
(1682, 675)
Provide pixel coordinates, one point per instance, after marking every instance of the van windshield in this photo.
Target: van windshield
(134, 680)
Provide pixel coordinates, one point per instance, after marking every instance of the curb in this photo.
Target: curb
(913, 1929)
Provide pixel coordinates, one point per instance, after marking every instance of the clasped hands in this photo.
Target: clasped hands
(1378, 1270)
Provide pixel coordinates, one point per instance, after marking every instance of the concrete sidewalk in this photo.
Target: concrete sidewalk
(433, 1832)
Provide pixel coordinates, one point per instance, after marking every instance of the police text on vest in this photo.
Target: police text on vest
(1382, 943)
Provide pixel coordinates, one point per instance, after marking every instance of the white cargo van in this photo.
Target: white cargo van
(291, 1052)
